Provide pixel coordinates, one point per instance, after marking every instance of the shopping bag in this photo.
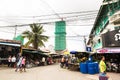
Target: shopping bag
(103, 78)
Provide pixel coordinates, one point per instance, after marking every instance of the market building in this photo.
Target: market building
(9, 48)
(105, 34)
(106, 28)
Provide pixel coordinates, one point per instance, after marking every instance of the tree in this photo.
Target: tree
(35, 36)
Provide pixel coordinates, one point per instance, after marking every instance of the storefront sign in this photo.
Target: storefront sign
(117, 36)
(111, 39)
(108, 50)
(88, 49)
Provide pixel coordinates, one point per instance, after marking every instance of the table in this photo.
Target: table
(73, 66)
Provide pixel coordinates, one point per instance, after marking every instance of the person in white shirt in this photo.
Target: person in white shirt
(13, 61)
(9, 61)
(43, 61)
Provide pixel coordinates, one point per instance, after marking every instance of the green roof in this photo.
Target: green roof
(19, 38)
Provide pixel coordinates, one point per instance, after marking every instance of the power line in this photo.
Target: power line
(81, 12)
(81, 25)
(51, 8)
(7, 32)
(69, 18)
(38, 17)
(49, 36)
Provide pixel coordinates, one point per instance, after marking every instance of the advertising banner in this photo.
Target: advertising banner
(108, 50)
(111, 39)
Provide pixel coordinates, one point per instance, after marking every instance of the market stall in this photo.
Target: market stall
(33, 57)
(112, 60)
(76, 58)
(56, 57)
(9, 48)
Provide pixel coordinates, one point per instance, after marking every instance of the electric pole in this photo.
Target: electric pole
(15, 31)
(85, 42)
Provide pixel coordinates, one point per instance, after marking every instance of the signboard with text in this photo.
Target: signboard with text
(88, 49)
(111, 39)
(108, 50)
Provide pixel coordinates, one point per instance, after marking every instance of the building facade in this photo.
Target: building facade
(60, 36)
(106, 28)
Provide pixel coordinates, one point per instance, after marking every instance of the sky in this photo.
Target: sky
(17, 12)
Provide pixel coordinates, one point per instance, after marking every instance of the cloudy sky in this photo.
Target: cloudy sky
(80, 19)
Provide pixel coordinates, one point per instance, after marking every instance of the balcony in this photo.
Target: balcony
(115, 19)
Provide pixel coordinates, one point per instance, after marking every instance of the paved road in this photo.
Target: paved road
(52, 72)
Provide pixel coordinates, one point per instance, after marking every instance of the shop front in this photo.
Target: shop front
(112, 58)
(8, 48)
(34, 57)
(111, 50)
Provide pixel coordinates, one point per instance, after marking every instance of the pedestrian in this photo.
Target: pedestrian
(62, 62)
(9, 61)
(48, 60)
(43, 61)
(23, 63)
(102, 67)
(19, 64)
(73, 59)
(66, 62)
(13, 60)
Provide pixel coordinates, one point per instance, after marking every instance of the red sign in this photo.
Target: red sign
(108, 50)
(102, 51)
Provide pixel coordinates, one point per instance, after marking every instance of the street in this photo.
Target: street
(51, 72)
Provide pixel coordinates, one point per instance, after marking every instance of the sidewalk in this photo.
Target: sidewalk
(51, 72)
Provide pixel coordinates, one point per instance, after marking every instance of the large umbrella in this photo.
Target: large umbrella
(66, 52)
(73, 52)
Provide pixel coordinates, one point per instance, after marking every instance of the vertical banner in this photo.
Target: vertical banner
(60, 35)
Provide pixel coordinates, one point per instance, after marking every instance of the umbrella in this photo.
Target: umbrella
(66, 52)
(73, 52)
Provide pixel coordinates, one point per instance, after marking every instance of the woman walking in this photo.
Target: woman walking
(23, 64)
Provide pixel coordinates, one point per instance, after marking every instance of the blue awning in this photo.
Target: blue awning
(10, 44)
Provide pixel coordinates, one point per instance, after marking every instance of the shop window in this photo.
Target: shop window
(98, 40)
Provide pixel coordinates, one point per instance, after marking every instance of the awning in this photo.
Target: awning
(34, 52)
(10, 44)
